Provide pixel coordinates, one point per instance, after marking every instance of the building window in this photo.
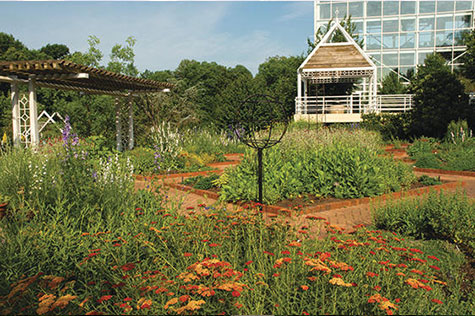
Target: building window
(426, 39)
(390, 41)
(407, 40)
(444, 38)
(341, 7)
(408, 25)
(390, 26)
(426, 7)
(426, 24)
(325, 11)
(390, 59)
(458, 37)
(376, 58)
(356, 9)
(358, 27)
(407, 59)
(462, 21)
(463, 5)
(373, 27)
(408, 7)
(373, 8)
(445, 6)
(445, 23)
(373, 41)
(391, 7)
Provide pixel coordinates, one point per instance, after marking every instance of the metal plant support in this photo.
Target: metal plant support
(260, 122)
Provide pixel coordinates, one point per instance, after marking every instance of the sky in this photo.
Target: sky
(227, 32)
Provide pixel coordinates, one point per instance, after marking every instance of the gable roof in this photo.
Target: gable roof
(337, 55)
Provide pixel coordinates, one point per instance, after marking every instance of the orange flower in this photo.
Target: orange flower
(187, 254)
(295, 244)
(340, 282)
(304, 287)
(191, 306)
(104, 298)
(371, 274)
(437, 301)
(235, 294)
(184, 298)
(173, 301)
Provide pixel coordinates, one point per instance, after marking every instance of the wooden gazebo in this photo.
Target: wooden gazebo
(335, 63)
(66, 75)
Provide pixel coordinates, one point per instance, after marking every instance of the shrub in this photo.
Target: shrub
(438, 215)
(339, 169)
(145, 160)
(202, 183)
(439, 98)
(458, 132)
(391, 126)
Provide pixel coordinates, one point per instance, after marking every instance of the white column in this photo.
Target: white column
(305, 94)
(299, 94)
(375, 89)
(34, 130)
(15, 114)
(131, 123)
(370, 95)
(118, 125)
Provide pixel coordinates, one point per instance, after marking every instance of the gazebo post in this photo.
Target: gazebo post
(15, 114)
(131, 122)
(34, 131)
(305, 94)
(118, 125)
(298, 109)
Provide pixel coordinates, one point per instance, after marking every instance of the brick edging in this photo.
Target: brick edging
(273, 209)
(187, 188)
(175, 175)
(450, 172)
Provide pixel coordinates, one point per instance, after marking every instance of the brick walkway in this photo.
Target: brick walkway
(345, 218)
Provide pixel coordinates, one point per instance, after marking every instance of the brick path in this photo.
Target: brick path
(345, 218)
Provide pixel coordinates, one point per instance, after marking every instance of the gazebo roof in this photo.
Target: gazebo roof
(337, 61)
(63, 74)
(336, 56)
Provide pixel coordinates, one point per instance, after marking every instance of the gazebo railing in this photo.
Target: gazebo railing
(353, 104)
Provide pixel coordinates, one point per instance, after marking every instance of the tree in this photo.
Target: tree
(468, 67)
(122, 58)
(439, 98)
(277, 77)
(90, 58)
(55, 51)
(391, 84)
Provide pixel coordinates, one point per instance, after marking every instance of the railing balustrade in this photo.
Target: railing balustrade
(353, 104)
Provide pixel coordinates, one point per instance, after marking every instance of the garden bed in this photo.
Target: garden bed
(311, 204)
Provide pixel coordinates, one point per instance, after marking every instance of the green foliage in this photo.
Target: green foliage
(439, 98)
(391, 84)
(122, 58)
(468, 66)
(391, 126)
(201, 182)
(143, 160)
(55, 51)
(338, 169)
(90, 58)
(426, 180)
(439, 215)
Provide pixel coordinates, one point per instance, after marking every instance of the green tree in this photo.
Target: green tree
(468, 67)
(391, 84)
(55, 51)
(439, 98)
(122, 58)
(92, 57)
(277, 77)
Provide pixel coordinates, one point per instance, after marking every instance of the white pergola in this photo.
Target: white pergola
(66, 75)
(336, 63)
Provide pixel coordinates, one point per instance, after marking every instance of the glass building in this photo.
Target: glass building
(400, 34)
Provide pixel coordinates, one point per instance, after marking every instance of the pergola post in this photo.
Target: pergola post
(131, 123)
(34, 129)
(15, 114)
(118, 125)
(305, 94)
(298, 108)
(375, 89)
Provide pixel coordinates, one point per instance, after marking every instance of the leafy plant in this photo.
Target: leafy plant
(426, 180)
(201, 182)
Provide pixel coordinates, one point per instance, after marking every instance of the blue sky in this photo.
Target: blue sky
(229, 33)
